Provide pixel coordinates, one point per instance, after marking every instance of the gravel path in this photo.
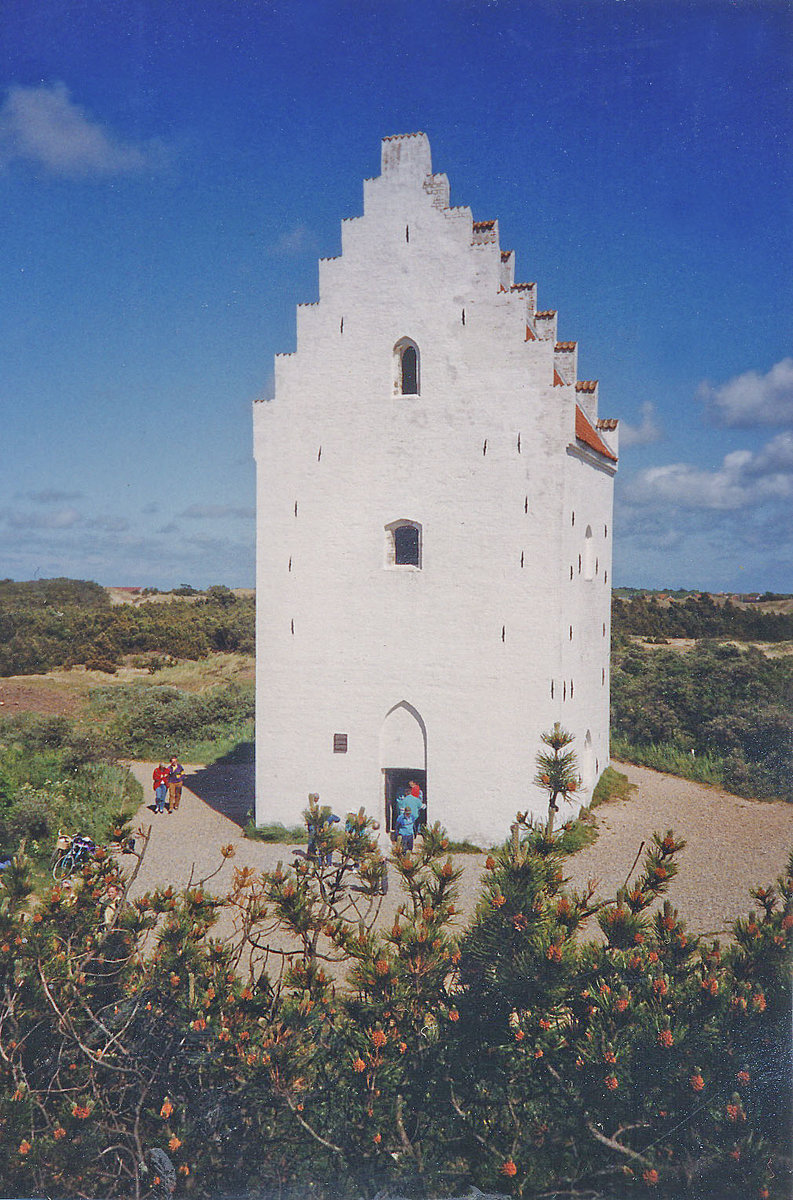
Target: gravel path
(732, 844)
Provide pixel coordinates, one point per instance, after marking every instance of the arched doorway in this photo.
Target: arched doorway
(403, 756)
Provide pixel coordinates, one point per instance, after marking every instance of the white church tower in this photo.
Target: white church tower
(434, 527)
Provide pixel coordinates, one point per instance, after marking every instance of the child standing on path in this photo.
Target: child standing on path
(404, 829)
(175, 781)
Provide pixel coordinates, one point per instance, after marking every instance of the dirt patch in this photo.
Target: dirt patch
(38, 694)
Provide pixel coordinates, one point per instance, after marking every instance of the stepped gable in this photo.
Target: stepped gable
(484, 233)
(545, 324)
(584, 432)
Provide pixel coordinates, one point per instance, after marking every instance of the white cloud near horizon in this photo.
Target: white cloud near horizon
(50, 496)
(745, 479)
(752, 399)
(43, 126)
(199, 512)
(643, 434)
(63, 518)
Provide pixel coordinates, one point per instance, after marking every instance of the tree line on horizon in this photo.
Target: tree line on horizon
(62, 623)
(696, 617)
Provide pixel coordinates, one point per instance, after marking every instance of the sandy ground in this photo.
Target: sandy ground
(732, 844)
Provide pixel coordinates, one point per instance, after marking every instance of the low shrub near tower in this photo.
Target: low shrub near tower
(563, 1044)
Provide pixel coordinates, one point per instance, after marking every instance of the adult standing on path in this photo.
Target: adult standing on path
(160, 781)
(175, 781)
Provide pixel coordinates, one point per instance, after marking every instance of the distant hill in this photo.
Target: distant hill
(53, 593)
(701, 615)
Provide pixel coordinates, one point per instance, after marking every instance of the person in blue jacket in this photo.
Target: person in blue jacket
(404, 828)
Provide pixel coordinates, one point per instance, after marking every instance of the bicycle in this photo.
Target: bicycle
(70, 855)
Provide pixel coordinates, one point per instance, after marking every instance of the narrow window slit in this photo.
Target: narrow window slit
(290, 564)
(484, 446)
(295, 507)
(463, 317)
(293, 626)
(341, 325)
(521, 558)
(526, 505)
(319, 454)
(407, 233)
(518, 443)
(503, 633)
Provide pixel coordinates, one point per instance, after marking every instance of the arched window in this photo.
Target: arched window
(406, 354)
(403, 544)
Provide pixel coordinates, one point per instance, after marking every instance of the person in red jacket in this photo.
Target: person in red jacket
(160, 781)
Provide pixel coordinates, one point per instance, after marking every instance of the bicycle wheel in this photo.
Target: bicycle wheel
(63, 867)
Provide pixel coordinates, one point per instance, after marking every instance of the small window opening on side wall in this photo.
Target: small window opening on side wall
(406, 354)
(403, 545)
(340, 743)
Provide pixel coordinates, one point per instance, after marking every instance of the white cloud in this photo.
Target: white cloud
(745, 480)
(198, 512)
(645, 433)
(752, 398)
(63, 518)
(292, 241)
(43, 125)
(50, 496)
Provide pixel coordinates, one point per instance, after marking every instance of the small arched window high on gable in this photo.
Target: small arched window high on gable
(407, 368)
(403, 544)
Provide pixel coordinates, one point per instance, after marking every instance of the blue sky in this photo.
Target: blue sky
(171, 172)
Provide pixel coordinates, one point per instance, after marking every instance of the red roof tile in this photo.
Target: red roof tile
(586, 385)
(607, 423)
(546, 314)
(565, 345)
(480, 226)
(557, 379)
(531, 336)
(585, 433)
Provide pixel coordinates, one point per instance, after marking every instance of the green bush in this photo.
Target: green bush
(288, 835)
(144, 720)
(731, 707)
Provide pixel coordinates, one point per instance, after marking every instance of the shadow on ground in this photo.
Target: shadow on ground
(227, 785)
